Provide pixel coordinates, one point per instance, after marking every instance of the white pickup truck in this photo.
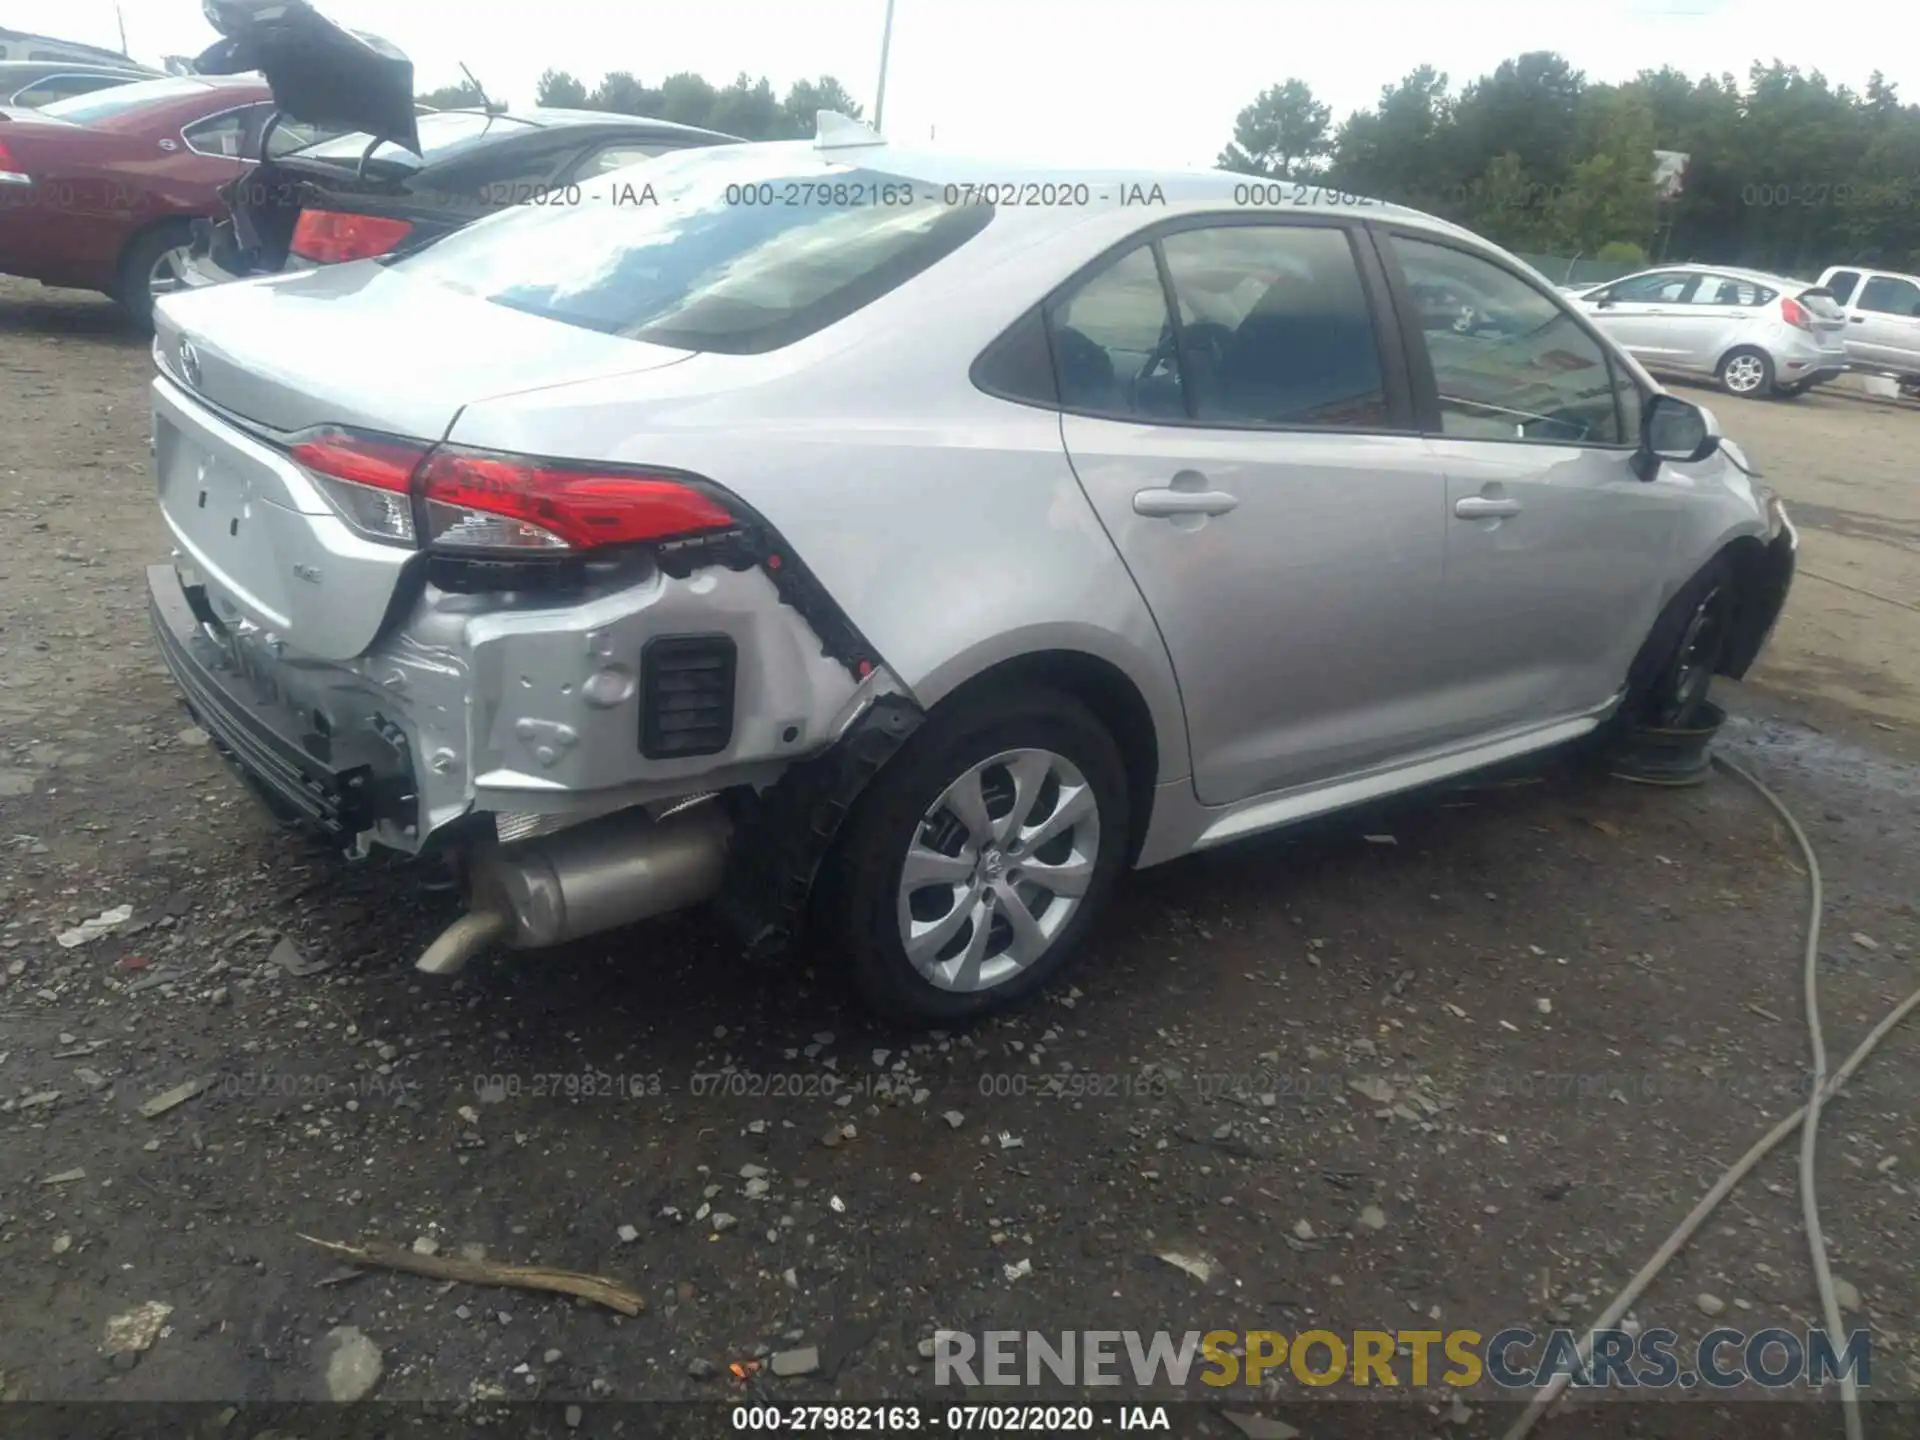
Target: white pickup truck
(1883, 319)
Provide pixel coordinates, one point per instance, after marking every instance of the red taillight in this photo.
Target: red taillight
(369, 478)
(328, 237)
(479, 500)
(376, 460)
(8, 165)
(1795, 314)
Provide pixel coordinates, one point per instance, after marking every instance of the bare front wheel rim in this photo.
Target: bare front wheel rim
(1744, 373)
(1699, 653)
(168, 273)
(997, 869)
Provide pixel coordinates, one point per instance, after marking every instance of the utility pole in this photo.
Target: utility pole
(120, 15)
(886, 42)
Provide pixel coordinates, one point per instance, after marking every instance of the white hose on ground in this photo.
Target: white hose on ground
(1810, 1127)
(1824, 1089)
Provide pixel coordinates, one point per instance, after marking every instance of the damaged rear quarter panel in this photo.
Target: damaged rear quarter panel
(946, 523)
(556, 690)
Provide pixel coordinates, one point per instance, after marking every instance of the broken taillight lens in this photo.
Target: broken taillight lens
(479, 501)
(328, 237)
(368, 478)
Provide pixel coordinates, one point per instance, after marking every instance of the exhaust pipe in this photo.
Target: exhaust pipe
(587, 878)
(461, 941)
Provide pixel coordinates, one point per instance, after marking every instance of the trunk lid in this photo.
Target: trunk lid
(355, 345)
(317, 71)
(1823, 309)
(1827, 319)
(366, 345)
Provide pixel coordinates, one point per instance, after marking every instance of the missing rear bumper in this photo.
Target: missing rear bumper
(335, 786)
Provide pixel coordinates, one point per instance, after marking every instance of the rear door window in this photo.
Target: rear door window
(1841, 283)
(1113, 344)
(1656, 289)
(1727, 290)
(1275, 329)
(723, 250)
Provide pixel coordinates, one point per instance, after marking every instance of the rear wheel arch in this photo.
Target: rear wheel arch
(1108, 692)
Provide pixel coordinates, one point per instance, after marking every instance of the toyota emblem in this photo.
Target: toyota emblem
(190, 363)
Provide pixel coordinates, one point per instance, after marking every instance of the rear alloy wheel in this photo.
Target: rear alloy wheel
(1000, 865)
(979, 858)
(1746, 373)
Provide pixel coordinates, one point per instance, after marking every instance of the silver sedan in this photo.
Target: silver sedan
(914, 545)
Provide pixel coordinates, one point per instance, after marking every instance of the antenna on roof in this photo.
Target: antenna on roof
(481, 90)
(834, 131)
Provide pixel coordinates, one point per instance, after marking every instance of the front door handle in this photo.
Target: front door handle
(1158, 504)
(1483, 507)
(1856, 319)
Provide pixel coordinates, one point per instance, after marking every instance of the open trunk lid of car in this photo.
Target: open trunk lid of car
(246, 369)
(317, 71)
(1824, 312)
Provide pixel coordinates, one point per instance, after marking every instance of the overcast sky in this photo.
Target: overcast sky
(1104, 82)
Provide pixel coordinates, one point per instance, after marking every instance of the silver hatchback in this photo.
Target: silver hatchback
(908, 546)
(1756, 334)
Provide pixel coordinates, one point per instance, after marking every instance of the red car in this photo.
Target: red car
(99, 192)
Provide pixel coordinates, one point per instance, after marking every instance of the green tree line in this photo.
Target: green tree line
(1788, 172)
(747, 108)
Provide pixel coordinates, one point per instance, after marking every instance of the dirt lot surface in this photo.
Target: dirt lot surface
(1470, 1078)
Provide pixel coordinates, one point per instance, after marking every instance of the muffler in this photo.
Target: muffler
(590, 877)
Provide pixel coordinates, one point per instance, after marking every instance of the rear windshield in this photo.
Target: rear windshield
(1821, 302)
(719, 249)
(106, 104)
(442, 134)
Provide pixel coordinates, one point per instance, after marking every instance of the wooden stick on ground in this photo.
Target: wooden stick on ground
(488, 1272)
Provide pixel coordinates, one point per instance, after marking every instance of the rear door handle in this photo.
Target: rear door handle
(1159, 504)
(1482, 507)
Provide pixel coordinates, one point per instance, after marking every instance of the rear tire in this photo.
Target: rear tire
(1673, 673)
(1746, 372)
(946, 951)
(151, 258)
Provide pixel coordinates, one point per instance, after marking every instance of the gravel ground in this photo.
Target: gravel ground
(1470, 1077)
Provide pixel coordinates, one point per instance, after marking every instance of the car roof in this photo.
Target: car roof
(104, 55)
(1732, 272)
(1183, 189)
(34, 69)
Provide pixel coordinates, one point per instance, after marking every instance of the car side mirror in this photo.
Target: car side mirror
(1672, 429)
